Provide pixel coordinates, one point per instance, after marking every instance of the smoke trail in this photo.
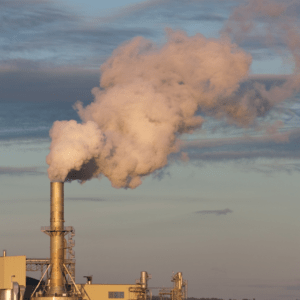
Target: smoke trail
(150, 95)
(274, 23)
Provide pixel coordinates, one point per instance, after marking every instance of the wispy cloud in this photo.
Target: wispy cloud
(85, 199)
(238, 155)
(288, 287)
(293, 288)
(204, 17)
(278, 145)
(58, 34)
(15, 171)
(28, 14)
(214, 212)
(45, 84)
(280, 137)
(44, 31)
(272, 168)
(172, 10)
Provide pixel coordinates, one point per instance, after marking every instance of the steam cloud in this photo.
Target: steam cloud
(148, 97)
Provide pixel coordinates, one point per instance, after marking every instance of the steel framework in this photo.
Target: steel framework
(41, 264)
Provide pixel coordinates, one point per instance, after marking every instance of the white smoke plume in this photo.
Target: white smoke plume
(148, 96)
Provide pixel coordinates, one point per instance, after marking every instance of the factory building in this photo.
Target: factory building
(57, 280)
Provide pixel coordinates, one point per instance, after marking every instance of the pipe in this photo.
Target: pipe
(57, 238)
(22, 292)
(180, 281)
(144, 280)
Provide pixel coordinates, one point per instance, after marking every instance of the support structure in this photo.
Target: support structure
(179, 290)
(57, 285)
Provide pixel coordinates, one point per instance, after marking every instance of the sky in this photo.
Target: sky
(222, 206)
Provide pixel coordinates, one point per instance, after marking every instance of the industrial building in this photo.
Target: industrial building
(57, 280)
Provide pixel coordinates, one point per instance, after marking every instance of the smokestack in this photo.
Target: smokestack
(57, 238)
(56, 287)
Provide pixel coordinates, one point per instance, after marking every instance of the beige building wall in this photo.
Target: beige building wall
(9, 266)
(108, 291)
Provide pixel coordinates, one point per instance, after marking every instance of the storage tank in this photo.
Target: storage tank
(5, 294)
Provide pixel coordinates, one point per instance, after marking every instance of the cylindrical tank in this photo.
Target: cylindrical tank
(57, 238)
(144, 279)
(5, 294)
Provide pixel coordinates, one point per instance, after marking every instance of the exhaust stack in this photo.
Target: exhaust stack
(57, 238)
(57, 287)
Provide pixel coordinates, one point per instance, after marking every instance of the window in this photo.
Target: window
(115, 295)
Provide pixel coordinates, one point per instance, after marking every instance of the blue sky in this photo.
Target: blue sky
(227, 218)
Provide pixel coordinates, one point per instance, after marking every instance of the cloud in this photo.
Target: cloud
(85, 199)
(56, 34)
(271, 168)
(265, 286)
(275, 21)
(280, 152)
(25, 143)
(204, 17)
(174, 13)
(236, 155)
(258, 42)
(295, 287)
(215, 212)
(59, 35)
(16, 171)
(83, 37)
(272, 145)
(27, 15)
(280, 137)
(135, 8)
(46, 84)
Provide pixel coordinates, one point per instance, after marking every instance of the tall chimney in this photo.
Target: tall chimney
(57, 238)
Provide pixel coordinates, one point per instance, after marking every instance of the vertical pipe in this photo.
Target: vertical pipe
(144, 279)
(57, 237)
(180, 281)
(22, 292)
